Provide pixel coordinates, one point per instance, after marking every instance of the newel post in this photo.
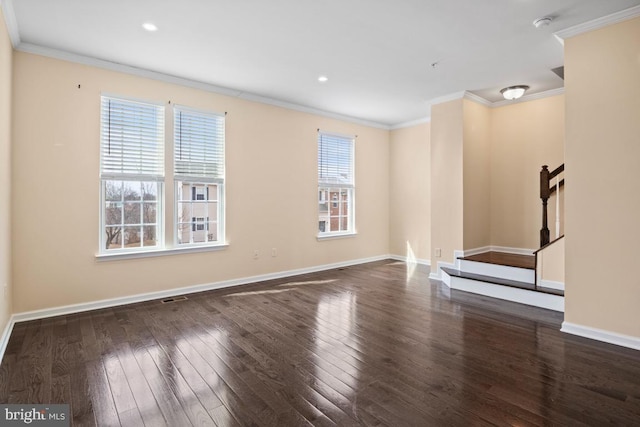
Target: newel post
(545, 193)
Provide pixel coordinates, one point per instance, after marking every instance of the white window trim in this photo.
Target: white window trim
(160, 230)
(336, 235)
(161, 252)
(163, 248)
(220, 182)
(328, 235)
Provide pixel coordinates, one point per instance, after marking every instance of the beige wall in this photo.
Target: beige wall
(476, 175)
(446, 180)
(602, 70)
(6, 58)
(410, 192)
(271, 189)
(524, 137)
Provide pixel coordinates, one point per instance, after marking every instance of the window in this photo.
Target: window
(335, 184)
(199, 176)
(131, 174)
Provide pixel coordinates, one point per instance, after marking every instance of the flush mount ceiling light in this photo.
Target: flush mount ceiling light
(514, 92)
(149, 27)
(323, 79)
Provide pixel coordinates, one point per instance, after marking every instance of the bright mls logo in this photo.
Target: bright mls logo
(34, 415)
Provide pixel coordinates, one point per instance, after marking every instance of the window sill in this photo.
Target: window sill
(336, 236)
(160, 252)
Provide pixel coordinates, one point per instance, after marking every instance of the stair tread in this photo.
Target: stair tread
(501, 281)
(502, 258)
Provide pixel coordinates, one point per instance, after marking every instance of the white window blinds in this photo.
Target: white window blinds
(335, 160)
(132, 139)
(199, 145)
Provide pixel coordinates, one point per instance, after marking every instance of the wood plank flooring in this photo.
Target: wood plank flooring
(376, 344)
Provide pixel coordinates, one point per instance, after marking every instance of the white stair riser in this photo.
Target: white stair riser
(522, 296)
(501, 271)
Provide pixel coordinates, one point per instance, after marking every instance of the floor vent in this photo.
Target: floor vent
(173, 299)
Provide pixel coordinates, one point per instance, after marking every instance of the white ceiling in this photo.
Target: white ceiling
(378, 54)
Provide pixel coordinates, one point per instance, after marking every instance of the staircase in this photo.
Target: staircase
(504, 276)
(514, 277)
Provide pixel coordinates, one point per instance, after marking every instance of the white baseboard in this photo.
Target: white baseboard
(405, 259)
(601, 335)
(551, 284)
(4, 339)
(505, 249)
(437, 274)
(113, 302)
(476, 251)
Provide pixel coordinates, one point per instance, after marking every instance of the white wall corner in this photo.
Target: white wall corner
(601, 335)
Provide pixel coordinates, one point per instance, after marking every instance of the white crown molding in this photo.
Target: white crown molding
(480, 100)
(10, 21)
(446, 98)
(207, 87)
(411, 123)
(527, 98)
(477, 99)
(601, 335)
(597, 23)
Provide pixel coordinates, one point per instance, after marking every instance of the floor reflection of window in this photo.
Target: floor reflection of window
(337, 345)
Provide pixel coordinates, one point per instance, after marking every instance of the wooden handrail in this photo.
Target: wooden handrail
(547, 245)
(545, 192)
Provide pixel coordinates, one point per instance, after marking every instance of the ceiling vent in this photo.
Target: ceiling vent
(559, 71)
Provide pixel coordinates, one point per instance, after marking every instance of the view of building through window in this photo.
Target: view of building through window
(197, 216)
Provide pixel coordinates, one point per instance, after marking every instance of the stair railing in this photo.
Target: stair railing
(546, 190)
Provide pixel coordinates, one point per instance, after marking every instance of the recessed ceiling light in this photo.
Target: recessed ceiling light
(323, 79)
(149, 27)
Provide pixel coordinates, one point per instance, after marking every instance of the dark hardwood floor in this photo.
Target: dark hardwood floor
(376, 344)
(502, 258)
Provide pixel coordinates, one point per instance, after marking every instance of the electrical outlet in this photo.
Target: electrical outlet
(256, 254)
(438, 252)
(274, 252)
